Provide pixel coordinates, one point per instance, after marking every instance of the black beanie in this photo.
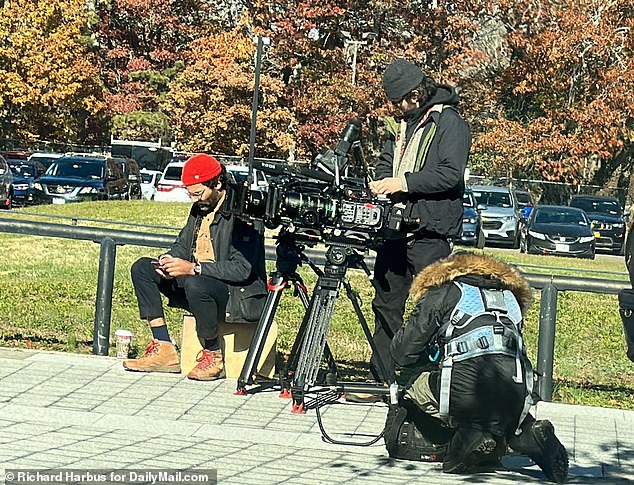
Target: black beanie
(400, 78)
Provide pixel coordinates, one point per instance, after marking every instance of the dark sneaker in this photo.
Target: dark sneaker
(470, 450)
(539, 442)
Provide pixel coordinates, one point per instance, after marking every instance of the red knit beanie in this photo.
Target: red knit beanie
(200, 168)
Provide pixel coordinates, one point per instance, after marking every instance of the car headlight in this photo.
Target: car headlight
(88, 190)
(538, 235)
(470, 220)
(618, 225)
(586, 239)
(508, 219)
(38, 186)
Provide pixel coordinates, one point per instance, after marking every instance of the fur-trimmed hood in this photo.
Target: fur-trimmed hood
(463, 264)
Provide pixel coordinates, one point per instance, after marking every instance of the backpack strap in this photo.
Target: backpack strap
(502, 337)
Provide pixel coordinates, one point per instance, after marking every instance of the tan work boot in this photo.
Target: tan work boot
(210, 366)
(159, 356)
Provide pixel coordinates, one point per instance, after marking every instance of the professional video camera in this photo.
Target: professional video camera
(319, 204)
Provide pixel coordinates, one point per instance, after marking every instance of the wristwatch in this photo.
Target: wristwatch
(197, 269)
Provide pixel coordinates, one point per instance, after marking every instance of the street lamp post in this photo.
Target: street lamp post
(355, 47)
(261, 41)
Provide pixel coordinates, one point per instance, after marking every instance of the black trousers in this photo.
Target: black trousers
(396, 265)
(206, 298)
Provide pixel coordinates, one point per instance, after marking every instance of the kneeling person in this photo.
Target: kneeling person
(215, 267)
(470, 308)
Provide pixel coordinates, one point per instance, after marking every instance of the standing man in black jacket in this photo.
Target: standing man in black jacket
(215, 269)
(422, 166)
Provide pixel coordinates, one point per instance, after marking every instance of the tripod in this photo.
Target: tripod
(310, 346)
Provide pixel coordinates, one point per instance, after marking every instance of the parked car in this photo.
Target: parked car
(606, 216)
(241, 172)
(25, 172)
(472, 234)
(15, 155)
(500, 219)
(170, 188)
(81, 178)
(560, 230)
(525, 203)
(149, 181)
(45, 158)
(6, 185)
(132, 174)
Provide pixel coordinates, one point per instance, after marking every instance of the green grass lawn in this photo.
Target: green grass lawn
(49, 286)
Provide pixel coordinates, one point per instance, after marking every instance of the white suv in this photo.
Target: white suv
(149, 181)
(501, 217)
(170, 188)
(241, 172)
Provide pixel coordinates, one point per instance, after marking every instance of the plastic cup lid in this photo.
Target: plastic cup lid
(123, 333)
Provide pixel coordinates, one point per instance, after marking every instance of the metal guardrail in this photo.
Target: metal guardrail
(76, 219)
(550, 285)
(109, 240)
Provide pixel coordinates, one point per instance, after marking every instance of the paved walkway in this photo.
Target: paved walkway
(84, 412)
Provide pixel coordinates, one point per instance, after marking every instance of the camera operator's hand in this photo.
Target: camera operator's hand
(386, 186)
(177, 267)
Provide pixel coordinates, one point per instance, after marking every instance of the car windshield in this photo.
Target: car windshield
(595, 205)
(173, 173)
(77, 169)
(493, 199)
(146, 178)
(239, 175)
(560, 216)
(46, 161)
(467, 200)
(523, 198)
(23, 169)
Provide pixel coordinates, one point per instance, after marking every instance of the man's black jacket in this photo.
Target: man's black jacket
(437, 296)
(435, 192)
(240, 260)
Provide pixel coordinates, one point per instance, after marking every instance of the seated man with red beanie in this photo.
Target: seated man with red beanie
(215, 269)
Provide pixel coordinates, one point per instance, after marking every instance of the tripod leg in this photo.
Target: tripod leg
(354, 299)
(291, 364)
(276, 284)
(285, 375)
(317, 323)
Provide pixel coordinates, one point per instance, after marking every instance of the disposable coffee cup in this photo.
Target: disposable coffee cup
(123, 340)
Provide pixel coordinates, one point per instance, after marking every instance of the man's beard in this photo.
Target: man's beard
(211, 203)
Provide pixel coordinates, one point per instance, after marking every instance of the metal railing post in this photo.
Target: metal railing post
(546, 343)
(103, 308)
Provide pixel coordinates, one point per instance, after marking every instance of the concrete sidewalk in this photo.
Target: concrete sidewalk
(62, 410)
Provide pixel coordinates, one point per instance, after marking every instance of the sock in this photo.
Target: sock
(211, 344)
(161, 333)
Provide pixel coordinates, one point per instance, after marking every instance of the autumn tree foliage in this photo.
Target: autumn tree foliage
(142, 44)
(330, 43)
(546, 85)
(564, 105)
(209, 103)
(49, 87)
